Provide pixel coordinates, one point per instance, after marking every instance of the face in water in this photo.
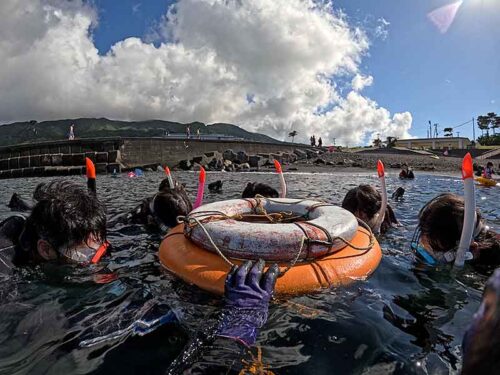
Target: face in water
(420, 244)
(90, 251)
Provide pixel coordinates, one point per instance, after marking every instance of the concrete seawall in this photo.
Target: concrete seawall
(68, 157)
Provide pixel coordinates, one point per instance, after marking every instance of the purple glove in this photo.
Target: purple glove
(247, 295)
(481, 344)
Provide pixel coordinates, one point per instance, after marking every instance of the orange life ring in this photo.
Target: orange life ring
(208, 270)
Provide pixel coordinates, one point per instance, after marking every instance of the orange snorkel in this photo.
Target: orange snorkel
(277, 165)
(169, 177)
(90, 170)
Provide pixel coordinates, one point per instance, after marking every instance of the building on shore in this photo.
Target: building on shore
(442, 143)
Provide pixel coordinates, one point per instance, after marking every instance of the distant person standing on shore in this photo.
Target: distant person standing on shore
(188, 132)
(320, 142)
(71, 135)
(198, 134)
(313, 141)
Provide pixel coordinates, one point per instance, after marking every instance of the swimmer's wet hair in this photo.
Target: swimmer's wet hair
(441, 221)
(66, 213)
(367, 199)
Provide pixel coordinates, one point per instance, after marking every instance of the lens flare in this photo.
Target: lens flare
(444, 16)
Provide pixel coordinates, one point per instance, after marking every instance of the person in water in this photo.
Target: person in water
(439, 229)
(488, 170)
(66, 224)
(162, 209)
(406, 172)
(256, 188)
(364, 202)
(481, 343)
(248, 291)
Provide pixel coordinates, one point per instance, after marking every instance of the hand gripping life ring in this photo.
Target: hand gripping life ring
(324, 246)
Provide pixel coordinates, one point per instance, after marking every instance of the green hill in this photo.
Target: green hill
(32, 131)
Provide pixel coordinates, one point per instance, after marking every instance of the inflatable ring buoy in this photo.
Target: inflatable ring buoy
(486, 181)
(208, 270)
(325, 226)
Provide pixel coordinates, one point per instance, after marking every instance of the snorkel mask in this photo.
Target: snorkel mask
(85, 254)
(441, 257)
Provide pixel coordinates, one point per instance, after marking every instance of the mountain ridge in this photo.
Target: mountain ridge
(33, 131)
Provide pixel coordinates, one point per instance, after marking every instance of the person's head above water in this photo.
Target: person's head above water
(67, 223)
(364, 202)
(439, 229)
(256, 188)
(168, 204)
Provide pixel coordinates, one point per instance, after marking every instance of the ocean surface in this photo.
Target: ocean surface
(407, 318)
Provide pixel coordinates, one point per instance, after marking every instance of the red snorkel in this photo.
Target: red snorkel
(201, 188)
(469, 211)
(100, 252)
(383, 192)
(90, 170)
(169, 177)
(277, 165)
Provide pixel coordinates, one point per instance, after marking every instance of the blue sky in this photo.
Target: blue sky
(446, 78)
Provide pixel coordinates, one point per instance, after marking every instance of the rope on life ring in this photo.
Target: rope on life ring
(193, 220)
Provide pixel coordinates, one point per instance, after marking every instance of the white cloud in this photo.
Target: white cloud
(359, 82)
(284, 54)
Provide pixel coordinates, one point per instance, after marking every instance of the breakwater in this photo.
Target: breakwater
(66, 157)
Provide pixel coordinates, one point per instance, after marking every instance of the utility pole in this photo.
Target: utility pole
(435, 130)
(458, 134)
(473, 131)
(334, 141)
(430, 129)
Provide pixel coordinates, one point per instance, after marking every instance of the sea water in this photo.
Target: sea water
(406, 318)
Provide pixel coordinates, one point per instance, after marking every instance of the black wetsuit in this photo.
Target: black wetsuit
(10, 232)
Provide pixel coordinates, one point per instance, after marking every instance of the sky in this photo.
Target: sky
(349, 70)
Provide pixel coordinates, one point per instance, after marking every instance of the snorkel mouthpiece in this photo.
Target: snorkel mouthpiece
(279, 170)
(201, 188)
(469, 211)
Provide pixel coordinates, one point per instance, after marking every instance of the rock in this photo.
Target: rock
(311, 153)
(330, 163)
(185, 165)
(395, 165)
(293, 169)
(319, 161)
(245, 167)
(200, 160)
(213, 154)
(229, 155)
(300, 154)
(253, 161)
(227, 163)
(159, 169)
(348, 161)
(266, 163)
(229, 168)
(242, 157)
(340, 162)
(357, 165)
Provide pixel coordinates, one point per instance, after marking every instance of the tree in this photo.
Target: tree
(391, 142)
(377, 143)
(448, 132)
(483, 123)
(292, 134)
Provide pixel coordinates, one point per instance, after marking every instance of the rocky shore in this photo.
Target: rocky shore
(317, 160)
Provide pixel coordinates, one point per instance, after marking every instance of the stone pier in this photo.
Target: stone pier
(66, 157)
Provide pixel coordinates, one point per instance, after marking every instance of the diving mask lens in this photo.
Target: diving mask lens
(86, 254)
